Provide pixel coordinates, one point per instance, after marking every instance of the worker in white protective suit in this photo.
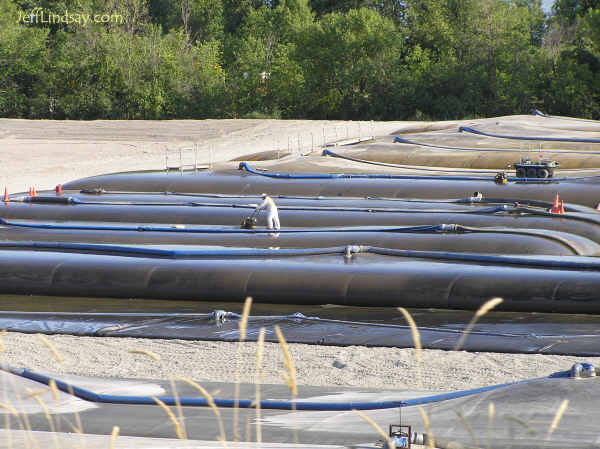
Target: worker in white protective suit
(272, 216)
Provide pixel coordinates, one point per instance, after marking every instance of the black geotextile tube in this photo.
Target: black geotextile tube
(585, 192)
(327, 152)
(456, 237)
(490, 150)
(585, 225)
(171, 199)
(537, 138)
(361, 280)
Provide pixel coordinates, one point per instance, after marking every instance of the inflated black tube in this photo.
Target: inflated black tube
(408, 167)
(541, 114)
(477, 208)
(584, 192)
(299, 203)
(486, 150)
(362, 280)
(509, 241)
(548, 139)
(348, 251)
(170, 198)
(496, 241)
(249, 169)
(585, 225)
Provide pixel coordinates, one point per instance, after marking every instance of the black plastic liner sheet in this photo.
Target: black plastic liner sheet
(501, 332)
(523, 415)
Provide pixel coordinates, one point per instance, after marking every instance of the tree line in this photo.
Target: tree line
(310, 59)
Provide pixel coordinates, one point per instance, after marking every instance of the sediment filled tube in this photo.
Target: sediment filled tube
(249, 169)
(398, 139)
(439, 237)
(408, 167)
(362, 280)
(584, 192)
(549, 139)
(585, 225)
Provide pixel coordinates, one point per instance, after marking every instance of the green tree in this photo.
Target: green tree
(23, 58)
(347, 60)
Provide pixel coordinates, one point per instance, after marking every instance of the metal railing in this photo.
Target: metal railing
(187, 158)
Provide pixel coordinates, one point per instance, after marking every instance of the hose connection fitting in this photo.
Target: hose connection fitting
(218, 316)
(351, 250)
(583, 371)
(448, 227)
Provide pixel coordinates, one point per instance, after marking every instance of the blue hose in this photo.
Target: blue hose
(136, 251)
(549, 139)
(491, 150)
(132, 251)
(195, 230)
(91, 396)
(249, 169)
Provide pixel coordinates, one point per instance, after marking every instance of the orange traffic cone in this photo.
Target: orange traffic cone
(562, 207)
(34, 191)
(556, 205)
(30, 191)
(5, 195)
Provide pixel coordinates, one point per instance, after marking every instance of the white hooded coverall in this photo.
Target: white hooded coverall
(272, 217)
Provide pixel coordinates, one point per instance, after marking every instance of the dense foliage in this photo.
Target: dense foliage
(314, 59)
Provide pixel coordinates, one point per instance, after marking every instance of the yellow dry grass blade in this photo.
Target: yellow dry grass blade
(50, 346)
(430, 442)
(562, 408)
(485, 308)
(288, 362)
(376, 427)
(150, 354)
(113, 437)
(416, 336)
(171, 415)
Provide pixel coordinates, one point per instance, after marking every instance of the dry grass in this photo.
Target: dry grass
(416, 336)
(157, 358)
(485, 308)
(491, 415)
(259, 374)
(212, 405)
(178, 428)
(289, 376)
(150, 354)
(375, 426)
(430, 443)
(242, 329)
(288, 362)
(53, 350)
(562, 408)
(113, 437)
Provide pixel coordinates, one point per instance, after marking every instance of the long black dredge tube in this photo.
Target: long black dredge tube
(235, 182)
(347, 276)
